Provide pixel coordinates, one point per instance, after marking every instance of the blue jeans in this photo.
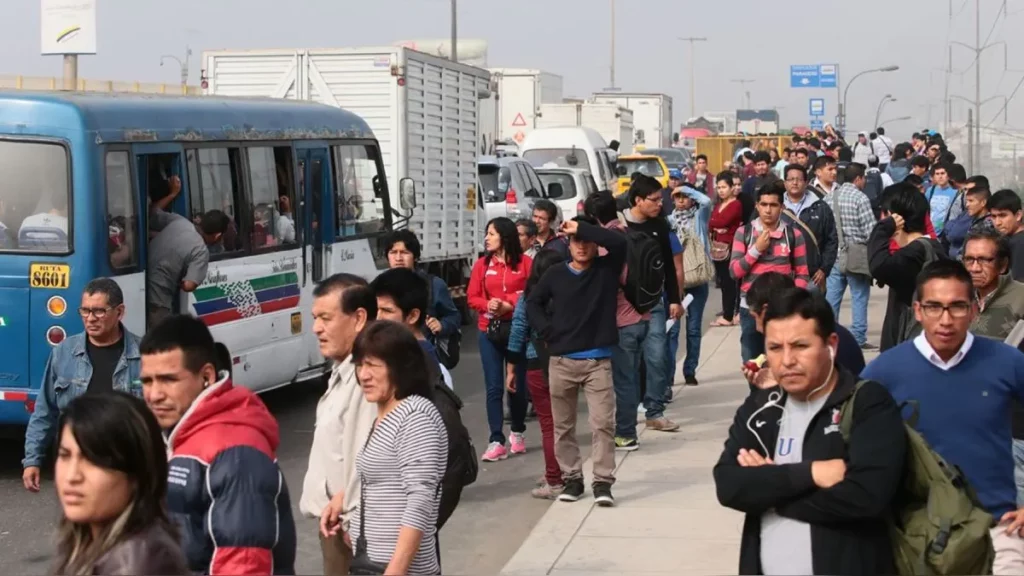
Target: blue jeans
(625, 373)
(493, 361)
(655, 350)
(694, 319)
(860, 288)
(751, 341)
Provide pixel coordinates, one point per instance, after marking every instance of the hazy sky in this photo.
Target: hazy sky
(748, 39)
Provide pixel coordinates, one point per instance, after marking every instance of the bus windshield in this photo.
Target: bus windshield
(34, 197)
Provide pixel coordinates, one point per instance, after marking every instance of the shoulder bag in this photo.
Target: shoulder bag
(853, 258)
(361, 564)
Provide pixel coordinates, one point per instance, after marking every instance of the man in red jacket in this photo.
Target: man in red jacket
(225, 490)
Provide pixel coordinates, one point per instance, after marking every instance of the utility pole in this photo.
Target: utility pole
(455, 32)
(612, 68)
(971, 144)
(743, 85)
(693, 75)
(71, 72)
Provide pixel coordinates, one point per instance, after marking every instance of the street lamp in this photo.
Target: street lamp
(892, 120)
(183, 64)
(881, 105)
(842, 104)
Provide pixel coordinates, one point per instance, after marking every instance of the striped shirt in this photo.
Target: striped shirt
(411, 440)
(747, 263)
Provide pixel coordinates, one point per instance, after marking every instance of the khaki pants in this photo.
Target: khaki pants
(337, 556)
(1009, 552)
(567, 377)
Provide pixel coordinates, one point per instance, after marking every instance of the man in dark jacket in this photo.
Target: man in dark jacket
(222, 443)
(762, 175)
(814, 504)
(814, 218)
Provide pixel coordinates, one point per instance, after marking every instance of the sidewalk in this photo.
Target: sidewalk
(667, 518)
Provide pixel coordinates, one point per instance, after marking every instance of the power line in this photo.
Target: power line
(1007, 102)
(995, 23)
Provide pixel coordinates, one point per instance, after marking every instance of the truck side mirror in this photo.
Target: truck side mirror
(407, 193)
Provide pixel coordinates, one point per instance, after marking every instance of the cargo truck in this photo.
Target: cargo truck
(611, 121)
(422, 109)
(511, 111)
(652, 116)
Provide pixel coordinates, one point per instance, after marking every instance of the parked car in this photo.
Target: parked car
(675, 158)
(567, 188)
(509, 187)
(646, 164)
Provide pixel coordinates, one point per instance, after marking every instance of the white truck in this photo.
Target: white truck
(511, 111)
(422, 109)
(611, 121)
(652, 115)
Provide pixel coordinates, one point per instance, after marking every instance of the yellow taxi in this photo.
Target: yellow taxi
(648, 165)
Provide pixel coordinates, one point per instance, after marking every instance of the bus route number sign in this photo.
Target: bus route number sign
(53, 276)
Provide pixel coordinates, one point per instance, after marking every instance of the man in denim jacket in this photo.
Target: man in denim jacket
(104, 358)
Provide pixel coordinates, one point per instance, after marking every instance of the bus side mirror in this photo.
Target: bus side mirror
(407, 193)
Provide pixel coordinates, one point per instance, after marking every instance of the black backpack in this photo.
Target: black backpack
(462, 467)
(448, 347)
(873, 190)
(645, 273)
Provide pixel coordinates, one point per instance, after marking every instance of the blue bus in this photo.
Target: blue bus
(303, 185)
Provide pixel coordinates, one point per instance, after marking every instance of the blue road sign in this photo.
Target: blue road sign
(804, 76)
(817, 106)
(813, 75)
(817, 124)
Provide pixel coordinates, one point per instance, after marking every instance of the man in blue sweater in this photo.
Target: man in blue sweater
(964, 387)
(573, 309)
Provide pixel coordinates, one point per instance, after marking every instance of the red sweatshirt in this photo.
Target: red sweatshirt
(495, 280)
(929, 231)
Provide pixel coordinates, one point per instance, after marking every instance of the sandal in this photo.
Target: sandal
(721, 323)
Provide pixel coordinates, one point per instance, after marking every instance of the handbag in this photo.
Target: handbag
(853, 258)
(720, 251)
(361, 564)
(698, 269)
(498, 331)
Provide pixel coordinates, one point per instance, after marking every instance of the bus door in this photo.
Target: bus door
(315, 186)
(156, 165)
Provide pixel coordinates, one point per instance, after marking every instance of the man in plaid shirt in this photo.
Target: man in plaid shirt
(765, 245)
(857, 219)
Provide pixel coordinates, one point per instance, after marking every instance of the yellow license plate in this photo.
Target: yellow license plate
(52, 276)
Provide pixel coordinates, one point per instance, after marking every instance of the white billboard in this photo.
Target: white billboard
(68, 26)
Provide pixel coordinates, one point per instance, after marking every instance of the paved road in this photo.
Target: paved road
(494, 518)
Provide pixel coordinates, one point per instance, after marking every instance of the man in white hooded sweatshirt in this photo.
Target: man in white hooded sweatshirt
(343, 304)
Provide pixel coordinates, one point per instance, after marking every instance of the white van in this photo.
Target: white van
(576, 147)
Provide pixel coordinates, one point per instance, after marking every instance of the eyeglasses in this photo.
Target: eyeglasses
(972, 260)
(956, 309)
(656, 199)
(99, 313)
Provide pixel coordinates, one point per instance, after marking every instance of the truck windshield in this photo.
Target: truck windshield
(34, 197)
(646, 166)
(560, 157)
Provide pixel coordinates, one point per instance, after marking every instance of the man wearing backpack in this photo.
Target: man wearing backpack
(647, 230)
(964, 388)
(402, 297)
(767, 244)
(875, 181)
(814, 504)
(803, 209)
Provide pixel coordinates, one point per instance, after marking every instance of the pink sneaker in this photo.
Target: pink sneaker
(495, 452)
(518, 442)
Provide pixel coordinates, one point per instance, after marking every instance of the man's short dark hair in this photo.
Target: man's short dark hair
(845, 154)
(214, 222)
(1005, 200)
(901, 150)
(643, 187)
(914, 179)
(979, 182)
(1001, 242)
(920, 162)
(601, 205)
(880, 131)
(762, 156)
(802, 151)
(354, 291)
(853, 171)
(957, 173)
(835, 145)
(530, 225)
(407, 288)
(406, 237)
(548, 207)
(764, 285)
(942, 166)
(185, 333)
(909, 203)
(773, 188)
(945, 269)
(814, 143)
(805, 304)
(587, 219)
(823, 161)
(794, 168)
(699, 157)
(107, 287)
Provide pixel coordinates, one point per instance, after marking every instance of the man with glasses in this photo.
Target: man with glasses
(986, 255)
(103, 358)
(964, 388)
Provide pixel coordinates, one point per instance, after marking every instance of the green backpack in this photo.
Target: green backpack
(937, 525)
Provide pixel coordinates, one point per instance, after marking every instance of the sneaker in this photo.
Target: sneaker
(603, 494)
(547, 492)
(626, 444)
(662, 424)
(541, 481)
(691, 380)
(640, 409)
(868, 346)
(518, 443)
(572, 491)
(495, 451)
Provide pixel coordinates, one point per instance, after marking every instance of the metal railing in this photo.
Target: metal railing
(42, 83)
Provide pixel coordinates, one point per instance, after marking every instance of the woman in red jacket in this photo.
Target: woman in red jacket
(497, 280)
(725, 219)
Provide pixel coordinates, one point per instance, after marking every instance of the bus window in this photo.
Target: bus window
(34, 197)
(359, 209)
(214, 185)
(122, 214)
(273, 221)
